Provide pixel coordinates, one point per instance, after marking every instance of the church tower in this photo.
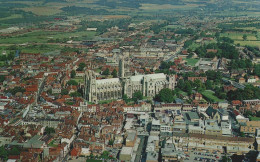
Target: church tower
(122, 67)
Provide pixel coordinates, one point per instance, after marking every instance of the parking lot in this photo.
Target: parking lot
(204, 157)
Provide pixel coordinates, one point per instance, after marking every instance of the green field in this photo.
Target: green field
(249, 43)
(191, 61)
(44, 48)
(154, 7)
(44, 36)
(210, 95)
(43, 11)
(239, 36)
(14, 16)
(252, 39)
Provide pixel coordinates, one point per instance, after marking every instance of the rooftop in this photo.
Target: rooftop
(126, 151)
(107, 81)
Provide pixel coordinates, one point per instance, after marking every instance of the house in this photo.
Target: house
(75, 152)
(236, 103)
(202, 79)
(228, 88)
(197, 96)
(80, 74)
(252, 79)
(56, 88)
(241, 80)
(212, 50)
(250, 127)
(213, 114)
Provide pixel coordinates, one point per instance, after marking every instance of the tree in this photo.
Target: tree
(3, 153)
(15, 90)
(81, 66)
(73, 74)
(242, 134)
(2, 78)
(181, 84)
(137, 96)
(114, 73)
(105, 155)
(111, 142)
(49, 130)
(244, 37)
(166, 65)
(106, 72)
(72, 82)
(75, 94)
(208, 84)
(15, 151)
(64, 92)
(249, 92)
(258, 114)
(226, 159)
(217, 35)
(257, 70)
(165, 95)
(188, 86)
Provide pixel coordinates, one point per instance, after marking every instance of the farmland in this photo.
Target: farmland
(251, 39)
(44, 36)
(43, 11)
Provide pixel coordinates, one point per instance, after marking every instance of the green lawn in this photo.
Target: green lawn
(51, 144)
(79, 80)
(183, 93)
(210, 95)
(254, 118)
(191, 61)
(93, 160)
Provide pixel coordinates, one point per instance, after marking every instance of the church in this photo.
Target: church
(114, 88)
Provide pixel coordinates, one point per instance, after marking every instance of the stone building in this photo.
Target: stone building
(149, 84)
(104, 89)
(114, 88)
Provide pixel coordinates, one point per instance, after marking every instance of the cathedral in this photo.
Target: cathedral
(115, 88)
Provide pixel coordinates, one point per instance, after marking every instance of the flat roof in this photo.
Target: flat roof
(105, 81)
(242, 139)
(126, 151)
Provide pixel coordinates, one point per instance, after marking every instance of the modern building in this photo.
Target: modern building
(250, 127)
(213, 143)
(126, 154)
